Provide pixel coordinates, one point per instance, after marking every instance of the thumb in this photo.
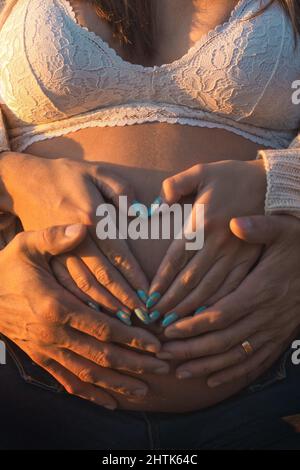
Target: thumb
(113, 186)
(183, 184)
(258, 229)
(54, 240)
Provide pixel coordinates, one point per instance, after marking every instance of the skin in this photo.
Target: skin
(169, 149)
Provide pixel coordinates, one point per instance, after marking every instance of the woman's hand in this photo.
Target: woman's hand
(189, 280)
(264, 311)
(88, 352)
(45, 192)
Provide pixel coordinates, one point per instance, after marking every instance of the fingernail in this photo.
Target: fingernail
(124, 317)
(142, 295)
(142, 315)
(140, 209)
(73, 230)
(164, 355)
(94, 306)
(110, 407)
(153, 348)
(200, 310)
(245, 223)
(213, 383)
(162, 370)
(171, 318)
(139, 392)
(154, 316)
(152, 299)
(154, 206)
(183, 374)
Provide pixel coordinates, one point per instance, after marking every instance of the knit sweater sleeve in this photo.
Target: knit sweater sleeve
(283, 179)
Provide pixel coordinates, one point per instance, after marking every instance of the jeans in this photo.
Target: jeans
(35, 413)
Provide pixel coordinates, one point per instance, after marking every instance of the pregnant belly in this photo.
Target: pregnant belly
(145, 155)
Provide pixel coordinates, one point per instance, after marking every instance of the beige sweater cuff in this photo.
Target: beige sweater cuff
(4, 142)
(283, 181)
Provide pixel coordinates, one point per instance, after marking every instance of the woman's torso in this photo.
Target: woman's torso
(147, 153)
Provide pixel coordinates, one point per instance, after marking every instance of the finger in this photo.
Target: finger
(63, 277)
(203, 284)
(89, 286)
(116, 250)
(119, 255)
(57, 306)
(53, 240)
(235, 277)
(259, 229)
(107, 275)
(226, 311)
(111, 185)
(207, 365)
(89, 373)
(108, 329)
(178, 256)
(219, 341)
(183, 184)
(243, 370)
(110, 355)
(173, 262)
(75, 386)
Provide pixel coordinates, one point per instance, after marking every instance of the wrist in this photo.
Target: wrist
(12, 166)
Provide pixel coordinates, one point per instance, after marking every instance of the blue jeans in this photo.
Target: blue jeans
(36, 414)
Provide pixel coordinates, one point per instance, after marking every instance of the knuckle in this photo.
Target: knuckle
(51, 311)
(87, 375)
(103, 276)
(188, 279)
(103, 331)
(44, 335)
(107, 358)
(221, 343)
(168, 184)
(87, 217)
(83, 283)
(187, 353)
(72, 389)
(103, 358)
(19, 242)
(124, 187)
(219, 320)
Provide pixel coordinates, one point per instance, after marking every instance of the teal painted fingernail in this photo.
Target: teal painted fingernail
(140, 209)
(200, 310)
(142, 315)
(153, 299)
(171, 318)
(154, 206)
(124, 317)
(142, 295)
(154, 316)
(94, 306)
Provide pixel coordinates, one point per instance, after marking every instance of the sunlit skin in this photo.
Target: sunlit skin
(145, 155)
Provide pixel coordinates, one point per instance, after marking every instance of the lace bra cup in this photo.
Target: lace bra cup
(240, 74)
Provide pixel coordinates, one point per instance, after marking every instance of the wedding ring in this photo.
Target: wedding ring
(247, 348)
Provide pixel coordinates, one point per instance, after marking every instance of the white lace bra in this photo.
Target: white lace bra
(57, 77)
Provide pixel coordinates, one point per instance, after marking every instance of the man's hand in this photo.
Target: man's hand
(263, 310)
(88, 352)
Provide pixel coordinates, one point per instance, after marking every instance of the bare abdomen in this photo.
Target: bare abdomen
(145, 155)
